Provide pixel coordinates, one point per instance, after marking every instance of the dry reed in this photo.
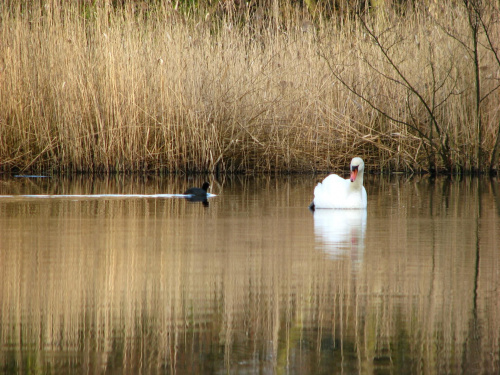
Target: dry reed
(102, 89)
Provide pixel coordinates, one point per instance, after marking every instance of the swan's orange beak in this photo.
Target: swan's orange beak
(354, 174)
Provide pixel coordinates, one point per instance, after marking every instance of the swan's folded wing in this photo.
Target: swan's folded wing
(331, 192)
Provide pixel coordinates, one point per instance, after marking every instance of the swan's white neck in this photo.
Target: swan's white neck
(358, 182)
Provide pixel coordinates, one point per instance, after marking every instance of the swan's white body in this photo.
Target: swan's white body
(336, 192)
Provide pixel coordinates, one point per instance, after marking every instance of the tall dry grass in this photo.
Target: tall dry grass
(97, 88)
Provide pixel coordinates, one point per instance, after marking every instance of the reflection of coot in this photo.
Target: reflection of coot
(195, 194)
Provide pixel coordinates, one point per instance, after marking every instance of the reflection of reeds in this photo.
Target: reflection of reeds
(133, 284)
(97, 89)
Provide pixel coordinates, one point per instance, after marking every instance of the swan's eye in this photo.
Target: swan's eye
(355, 168)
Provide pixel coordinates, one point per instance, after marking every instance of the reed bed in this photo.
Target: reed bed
(96, 88)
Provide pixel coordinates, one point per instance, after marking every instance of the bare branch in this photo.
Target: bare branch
(373, 105)
(401, 75)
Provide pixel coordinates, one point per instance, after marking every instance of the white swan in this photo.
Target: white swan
(336, 192)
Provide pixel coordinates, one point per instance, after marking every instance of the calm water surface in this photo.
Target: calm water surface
(254, 283)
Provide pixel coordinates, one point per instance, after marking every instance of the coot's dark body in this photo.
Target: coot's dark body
(194, 191)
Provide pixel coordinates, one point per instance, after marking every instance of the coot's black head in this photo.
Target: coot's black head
(205, 186)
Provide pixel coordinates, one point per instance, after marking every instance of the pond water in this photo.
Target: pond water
(253, 282)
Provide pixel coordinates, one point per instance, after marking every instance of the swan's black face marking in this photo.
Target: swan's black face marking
(354, 168)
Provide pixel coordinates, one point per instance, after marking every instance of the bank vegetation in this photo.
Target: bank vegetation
(249, 87)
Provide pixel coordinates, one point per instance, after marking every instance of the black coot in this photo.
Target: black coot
(198, 195)
(194, 191)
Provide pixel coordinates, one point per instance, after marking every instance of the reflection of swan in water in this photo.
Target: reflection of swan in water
(341, 232)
